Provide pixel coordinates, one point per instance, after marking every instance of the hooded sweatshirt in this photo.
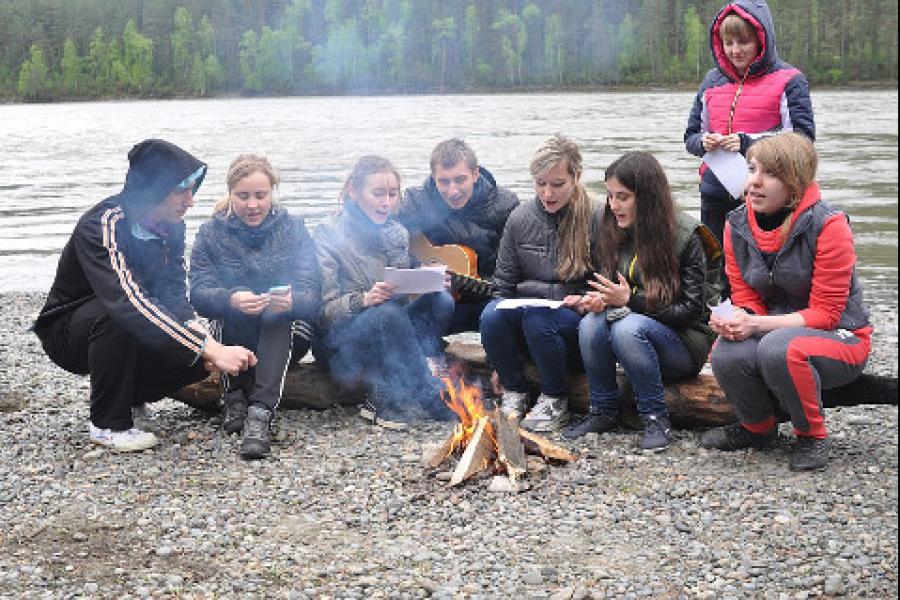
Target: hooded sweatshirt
(138, 276)
(773, 97)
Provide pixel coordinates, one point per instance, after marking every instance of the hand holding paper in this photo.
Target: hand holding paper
(724, 310)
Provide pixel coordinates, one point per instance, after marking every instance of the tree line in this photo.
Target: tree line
(81, 49)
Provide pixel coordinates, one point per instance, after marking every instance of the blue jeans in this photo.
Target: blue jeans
(385, 347)
(648, 352)
(549, 336)
(467, 316)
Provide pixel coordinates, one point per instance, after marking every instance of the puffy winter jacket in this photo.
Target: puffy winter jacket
(353, 253)
(138, 276)
(773, 97)
(812, 272)
(228, 256)
(478, 225)
(700, 266)
(528, 258)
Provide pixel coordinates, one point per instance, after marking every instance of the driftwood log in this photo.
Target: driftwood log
(695, 402)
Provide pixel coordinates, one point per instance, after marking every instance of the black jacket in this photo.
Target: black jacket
(229, 257)
(527, 262)
(139, 279)
(478, 225)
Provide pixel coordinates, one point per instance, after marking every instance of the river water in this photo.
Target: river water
(57, 160)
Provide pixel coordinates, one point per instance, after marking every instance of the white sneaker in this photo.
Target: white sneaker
(132, 440)
(144, 418)
(548, 414)
(512, 404)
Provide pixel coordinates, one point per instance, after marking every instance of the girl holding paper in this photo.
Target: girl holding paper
(658, 271)
(370, 333)
(253, 269)
(545, 253)
(800, 324)
(749, 94)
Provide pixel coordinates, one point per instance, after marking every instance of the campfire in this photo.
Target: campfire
(485, 440)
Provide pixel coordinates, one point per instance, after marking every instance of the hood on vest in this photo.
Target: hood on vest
(156, 167)
(757, 13)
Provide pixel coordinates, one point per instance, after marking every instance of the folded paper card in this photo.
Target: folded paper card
(424, 280)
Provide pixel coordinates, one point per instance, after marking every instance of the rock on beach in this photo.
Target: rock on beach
(345, 510)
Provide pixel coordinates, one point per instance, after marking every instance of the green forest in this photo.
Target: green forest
(84, 49)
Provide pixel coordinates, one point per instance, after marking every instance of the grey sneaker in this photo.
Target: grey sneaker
(657, 433)
(234, 411)
(255, 442)
(548, 414)
(810, 454)
(512, 404)
(144, 418)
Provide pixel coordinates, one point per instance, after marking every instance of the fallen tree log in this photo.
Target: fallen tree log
(696, 402)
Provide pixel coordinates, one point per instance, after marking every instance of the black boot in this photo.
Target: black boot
(234, 411)
(737, 437)
(810, 454)
(255, 443)
(592, 423)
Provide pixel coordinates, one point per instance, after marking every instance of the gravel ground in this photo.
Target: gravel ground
(345, 510)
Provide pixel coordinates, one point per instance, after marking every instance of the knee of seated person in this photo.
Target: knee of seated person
(774, 347)
(593, 324)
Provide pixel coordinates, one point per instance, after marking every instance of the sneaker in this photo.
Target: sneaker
(367, 411)
(255, 442)
(810, 454)
(132, 440)
(383, 416)
(234, 411)
(737, 437)
(144, 418)
(592, 423)
(548, 414)
(657, 433)
(512, 404)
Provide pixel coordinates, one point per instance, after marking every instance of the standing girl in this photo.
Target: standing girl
(750, 93)
(649, 308)
(253, 269)
(369, 333)
(800, 324)
(545, 253)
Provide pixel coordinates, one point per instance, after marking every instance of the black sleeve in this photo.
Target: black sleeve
(689, 308)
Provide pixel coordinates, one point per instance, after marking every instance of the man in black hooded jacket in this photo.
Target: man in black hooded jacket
(118, 308)
(460, 203)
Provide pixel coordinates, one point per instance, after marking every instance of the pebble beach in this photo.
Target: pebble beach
(346, 510)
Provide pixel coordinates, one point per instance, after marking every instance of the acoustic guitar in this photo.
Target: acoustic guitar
(462, 264)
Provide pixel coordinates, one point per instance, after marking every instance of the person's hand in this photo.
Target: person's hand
(711, 141)
(448, 282)
(593, 302)
(731, 142)
(227, 359)
(612, 293)
(736, 328)
(281, 303)
(249, 303)
(380, 293)
(496, 385)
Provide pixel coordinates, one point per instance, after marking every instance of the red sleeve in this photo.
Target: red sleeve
(832, 271)
(741, 293)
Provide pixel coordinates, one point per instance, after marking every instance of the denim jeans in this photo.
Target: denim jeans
(385, 347)
(549, 336)
(648, 352)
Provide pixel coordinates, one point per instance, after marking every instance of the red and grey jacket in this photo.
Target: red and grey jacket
(138, 277)
(812, 272)
(772, 97)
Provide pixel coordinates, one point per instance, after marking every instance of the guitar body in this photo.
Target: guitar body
(462, 264)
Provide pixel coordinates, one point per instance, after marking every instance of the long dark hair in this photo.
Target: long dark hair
(653, 229)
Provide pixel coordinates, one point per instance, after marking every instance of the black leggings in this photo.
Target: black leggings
(713, 212)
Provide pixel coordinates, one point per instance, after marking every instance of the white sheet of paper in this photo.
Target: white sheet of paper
(730, 169)
(723, 310)
(424, 280)
(512, 303)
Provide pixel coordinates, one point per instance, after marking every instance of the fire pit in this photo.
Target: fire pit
(485, 440)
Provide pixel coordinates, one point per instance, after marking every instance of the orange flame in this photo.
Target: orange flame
(466, 401)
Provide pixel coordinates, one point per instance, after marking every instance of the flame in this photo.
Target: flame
(466, 401)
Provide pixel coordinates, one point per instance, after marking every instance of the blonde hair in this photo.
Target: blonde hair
(737, 27)
(365, 166)
(790, 158)
(574, 230)
(243, 166)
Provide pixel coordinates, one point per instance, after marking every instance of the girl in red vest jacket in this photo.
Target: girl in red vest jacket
(799, 324)
(750, 94)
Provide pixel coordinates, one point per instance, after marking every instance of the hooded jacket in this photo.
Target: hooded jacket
(228, 256)
(138, 277)
(353, 253)
(773, 97)
(478, 225)
(528, 259)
